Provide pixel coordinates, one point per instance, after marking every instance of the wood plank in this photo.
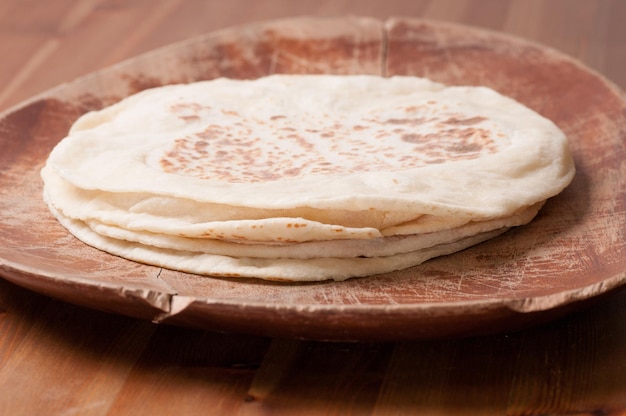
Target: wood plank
(331, 378)
(463, 377)
(573, 365)
(191, 372)
(76, 359)
(19, 310)
(567, 367)
(31, 49)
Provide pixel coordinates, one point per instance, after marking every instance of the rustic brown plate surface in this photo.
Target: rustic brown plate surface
(573, 252)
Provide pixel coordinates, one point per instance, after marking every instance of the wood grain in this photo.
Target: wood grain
(57, 358)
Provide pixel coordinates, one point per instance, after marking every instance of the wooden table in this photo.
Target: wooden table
(57, 358)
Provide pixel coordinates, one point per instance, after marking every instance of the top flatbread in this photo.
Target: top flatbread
(355, 143)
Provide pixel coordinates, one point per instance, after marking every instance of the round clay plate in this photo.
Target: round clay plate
(572, 252)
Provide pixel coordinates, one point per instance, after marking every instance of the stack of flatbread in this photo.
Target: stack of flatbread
(303, 177)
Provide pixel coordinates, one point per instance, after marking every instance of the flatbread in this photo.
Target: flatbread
(329, 142)
(303, 177)
(342, 248)
(275, 269)
(119, 211)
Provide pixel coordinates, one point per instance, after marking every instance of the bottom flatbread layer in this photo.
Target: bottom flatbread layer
(279, 269)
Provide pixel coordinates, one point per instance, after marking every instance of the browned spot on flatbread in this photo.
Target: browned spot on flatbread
(228, 146)
(464, 121)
